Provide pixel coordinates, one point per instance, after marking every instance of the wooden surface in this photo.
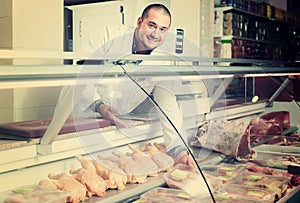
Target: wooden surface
(36, 128)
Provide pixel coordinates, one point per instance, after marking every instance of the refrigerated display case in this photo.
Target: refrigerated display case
(28, 160)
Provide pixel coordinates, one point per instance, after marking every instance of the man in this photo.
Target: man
(149, 35)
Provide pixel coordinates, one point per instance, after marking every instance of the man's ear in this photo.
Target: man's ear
(139, 22)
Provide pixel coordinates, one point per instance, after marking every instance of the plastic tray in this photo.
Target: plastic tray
(224, 172)
(33, 194)
(225, 169)
(190, 181)
(238, 193)
(276, 184)
(168, 195)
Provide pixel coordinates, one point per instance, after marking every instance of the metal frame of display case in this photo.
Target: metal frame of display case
(38, 76)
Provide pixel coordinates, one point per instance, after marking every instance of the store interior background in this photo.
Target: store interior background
(53, 26)
(49, 29)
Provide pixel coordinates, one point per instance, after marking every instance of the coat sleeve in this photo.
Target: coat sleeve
(168, 103)
(94, 45)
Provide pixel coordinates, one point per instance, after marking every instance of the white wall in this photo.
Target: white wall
(31, 25)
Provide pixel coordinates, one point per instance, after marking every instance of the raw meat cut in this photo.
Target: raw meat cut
(85, 163)
(94, 183)
(111, 173)
(144, 160)
(134, 171)
(164, 161)
(87, 176)
(273, 123)
(266, 170)
(228, 137)
(77, 191)
(294, 179)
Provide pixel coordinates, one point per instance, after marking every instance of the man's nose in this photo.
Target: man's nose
(155, 33)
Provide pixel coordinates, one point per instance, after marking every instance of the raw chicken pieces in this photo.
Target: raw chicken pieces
(164, 161)
(135, 172)
(144, 160)
(111, 173)
(88, 177)
(77, 191)
(94, 183)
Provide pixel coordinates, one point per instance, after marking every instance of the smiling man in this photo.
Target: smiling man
(149, 34)
(151, 30)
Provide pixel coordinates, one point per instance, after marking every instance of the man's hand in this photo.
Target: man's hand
(185, 158)
(108, 112)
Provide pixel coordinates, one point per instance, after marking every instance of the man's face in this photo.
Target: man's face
(152, 31)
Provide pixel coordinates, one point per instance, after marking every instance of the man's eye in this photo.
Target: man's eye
(163, 29)
(151, 26)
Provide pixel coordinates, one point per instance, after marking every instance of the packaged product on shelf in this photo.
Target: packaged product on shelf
(224, 172)
(33, 194)
(278, 185)
(169, 195)
(191, 181)
(238, 193)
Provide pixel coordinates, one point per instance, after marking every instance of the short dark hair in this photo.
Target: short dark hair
(157, 7)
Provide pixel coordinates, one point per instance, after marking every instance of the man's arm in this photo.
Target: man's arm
(174, 146)
(90, 103)
(108, 113)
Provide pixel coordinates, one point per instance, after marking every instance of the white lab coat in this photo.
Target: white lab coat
(126, 96)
